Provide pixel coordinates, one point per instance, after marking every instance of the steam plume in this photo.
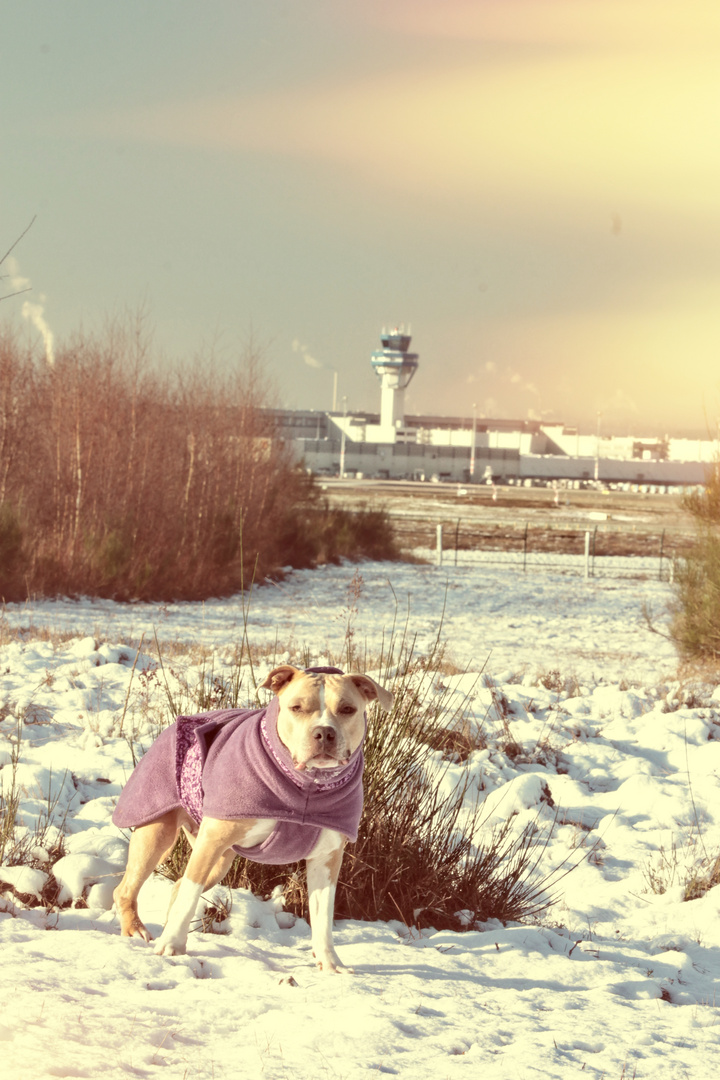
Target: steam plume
(33, 312)
(304, 352)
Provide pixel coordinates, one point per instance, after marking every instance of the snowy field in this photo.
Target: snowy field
(618, 979)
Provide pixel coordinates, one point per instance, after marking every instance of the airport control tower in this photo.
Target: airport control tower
(395, 367)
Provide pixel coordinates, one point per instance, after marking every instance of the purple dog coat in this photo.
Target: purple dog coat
(231, 764)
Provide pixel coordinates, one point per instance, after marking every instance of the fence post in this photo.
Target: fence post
(593, 550)
(587, 554)
(457, 533)
(525, 547)
(439, 544)
(662, 544)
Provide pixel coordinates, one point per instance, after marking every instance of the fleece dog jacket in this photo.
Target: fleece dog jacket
(231, 764)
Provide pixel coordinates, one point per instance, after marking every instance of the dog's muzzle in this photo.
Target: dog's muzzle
(325, 740)
(324, 749)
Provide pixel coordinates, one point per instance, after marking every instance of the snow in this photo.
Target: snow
(615, 980)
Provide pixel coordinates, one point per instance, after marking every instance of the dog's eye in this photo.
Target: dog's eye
(347, 710)
(296, 708)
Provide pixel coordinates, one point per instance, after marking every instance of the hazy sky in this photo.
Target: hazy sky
(533, 184)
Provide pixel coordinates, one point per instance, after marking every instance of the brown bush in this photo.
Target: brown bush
(695, 608)
(120, 479)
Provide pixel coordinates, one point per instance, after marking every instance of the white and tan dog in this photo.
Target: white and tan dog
(312, 735)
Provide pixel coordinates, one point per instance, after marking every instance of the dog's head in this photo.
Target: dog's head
(321, 719)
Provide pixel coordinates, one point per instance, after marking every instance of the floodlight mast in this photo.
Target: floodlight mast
(395, 366)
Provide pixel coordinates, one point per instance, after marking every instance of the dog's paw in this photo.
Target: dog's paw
(331, 964)
(170, 946)
(131, 925)
(137, 929)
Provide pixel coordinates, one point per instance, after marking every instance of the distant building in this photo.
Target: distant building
(390, 445)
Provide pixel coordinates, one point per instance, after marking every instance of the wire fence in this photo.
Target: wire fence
(590, 553)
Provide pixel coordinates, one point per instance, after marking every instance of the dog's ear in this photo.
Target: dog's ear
(279, 677)
(372, 691)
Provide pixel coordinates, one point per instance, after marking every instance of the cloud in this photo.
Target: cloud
(552, 132)
(595, 24)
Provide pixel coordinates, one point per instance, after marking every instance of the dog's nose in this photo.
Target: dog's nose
(324, 738)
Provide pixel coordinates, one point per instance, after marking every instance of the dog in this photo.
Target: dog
(276, 785)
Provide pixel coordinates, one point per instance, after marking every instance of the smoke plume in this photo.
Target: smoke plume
(304, 352)
(33, 312)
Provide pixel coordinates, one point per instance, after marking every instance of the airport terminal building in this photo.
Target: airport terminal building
(390, 445)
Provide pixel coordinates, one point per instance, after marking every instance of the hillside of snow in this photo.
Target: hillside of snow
(617, 979)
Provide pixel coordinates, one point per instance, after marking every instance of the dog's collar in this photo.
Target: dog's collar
(309, 779)
(323, 671)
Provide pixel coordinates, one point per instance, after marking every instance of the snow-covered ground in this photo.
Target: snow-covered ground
(618, 979)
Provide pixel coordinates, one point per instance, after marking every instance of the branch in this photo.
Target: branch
(18, 293)
(12, 247)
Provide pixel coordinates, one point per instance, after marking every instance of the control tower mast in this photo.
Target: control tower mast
(395, 367)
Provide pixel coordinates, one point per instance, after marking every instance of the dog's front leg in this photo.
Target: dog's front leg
(322, 876)
(214, 838)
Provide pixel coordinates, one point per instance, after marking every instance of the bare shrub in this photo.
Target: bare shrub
(685, 863)
(119, 478)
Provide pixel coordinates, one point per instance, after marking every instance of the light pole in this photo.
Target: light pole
(472, 444)
(342, 439)
(597, 449)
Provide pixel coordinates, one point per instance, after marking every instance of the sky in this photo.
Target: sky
(532, 185)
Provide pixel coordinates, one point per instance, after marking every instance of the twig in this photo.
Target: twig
(132, 673)
(14, 245)
(692, 797)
